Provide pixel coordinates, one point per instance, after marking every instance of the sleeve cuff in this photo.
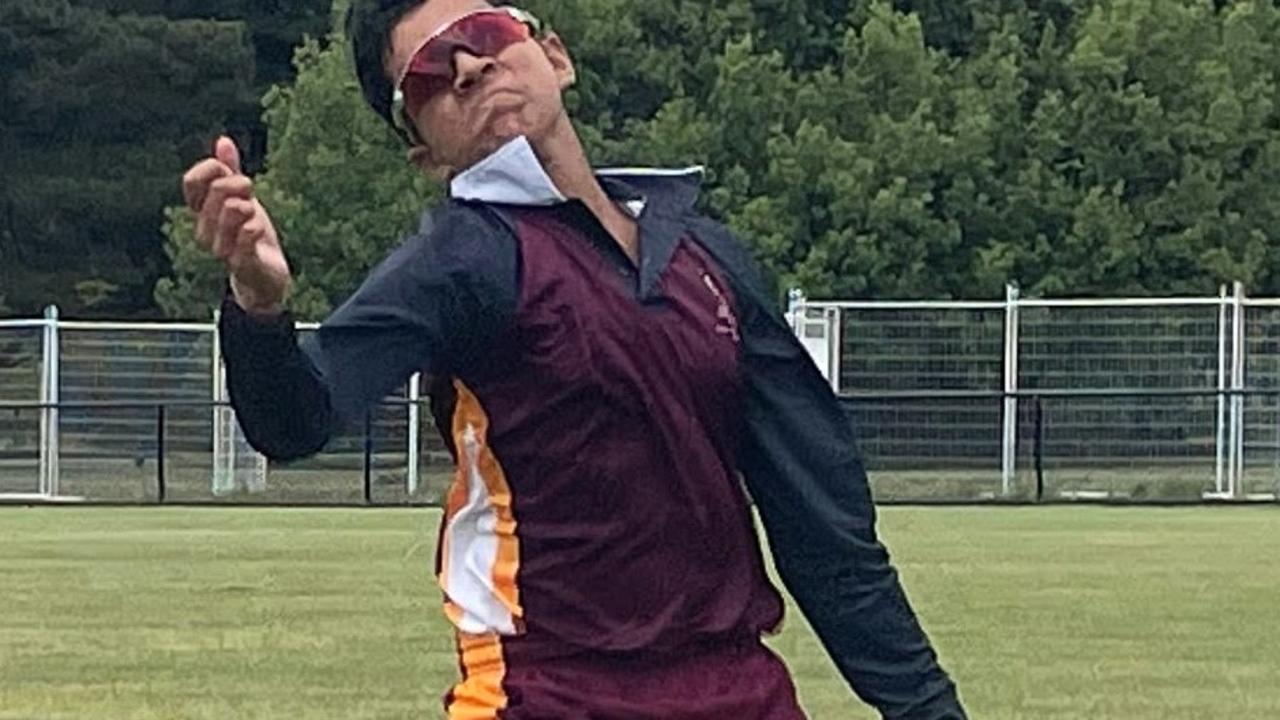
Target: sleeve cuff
(254, 341)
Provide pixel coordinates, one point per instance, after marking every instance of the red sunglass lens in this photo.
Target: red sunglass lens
(419, 88)
(489, 33)
(483, 34)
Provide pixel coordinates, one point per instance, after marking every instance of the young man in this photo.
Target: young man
(612, 367)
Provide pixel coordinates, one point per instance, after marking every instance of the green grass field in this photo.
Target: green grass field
(1136, 614)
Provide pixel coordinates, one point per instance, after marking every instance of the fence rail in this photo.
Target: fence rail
(1163, 367)
(78, 400)
(976, 400)
(1052, 467)
(160, 466)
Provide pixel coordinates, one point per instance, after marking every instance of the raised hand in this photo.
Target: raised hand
(234, 227)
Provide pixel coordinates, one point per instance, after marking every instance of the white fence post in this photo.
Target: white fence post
(1009, 438)
(795, 310)
(819, 336)
(415, 433)
(1235, 478)
(222, 481)
(836, 339)
(1220, 443)
(50, 385)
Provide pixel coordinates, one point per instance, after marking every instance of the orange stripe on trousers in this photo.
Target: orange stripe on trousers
(480, 695)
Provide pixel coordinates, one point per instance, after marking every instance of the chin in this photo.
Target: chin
(503, 133)
(500, 131)
(482, 148)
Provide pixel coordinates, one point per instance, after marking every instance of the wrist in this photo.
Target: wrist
(254, 305)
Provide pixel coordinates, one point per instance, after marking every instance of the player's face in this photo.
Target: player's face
(472, 77)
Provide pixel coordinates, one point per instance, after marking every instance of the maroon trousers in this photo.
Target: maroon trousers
(734, 681)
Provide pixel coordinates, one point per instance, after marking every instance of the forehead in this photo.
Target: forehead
(419, 23)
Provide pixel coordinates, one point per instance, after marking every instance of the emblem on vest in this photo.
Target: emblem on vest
(726, 321)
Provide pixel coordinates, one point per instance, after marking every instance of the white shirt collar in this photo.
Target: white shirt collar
(513, 175)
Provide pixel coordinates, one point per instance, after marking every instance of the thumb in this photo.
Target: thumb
(227, 153)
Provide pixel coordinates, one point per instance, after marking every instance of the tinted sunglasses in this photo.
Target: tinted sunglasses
(430, 71)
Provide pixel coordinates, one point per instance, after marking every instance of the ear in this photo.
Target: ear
(558, 55)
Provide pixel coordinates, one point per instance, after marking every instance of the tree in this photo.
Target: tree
(339, 190)
(105, 102)
(1146, 162)
(275, 29)
(869, 148)
(99, 111)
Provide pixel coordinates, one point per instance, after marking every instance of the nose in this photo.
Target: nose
(470, 70)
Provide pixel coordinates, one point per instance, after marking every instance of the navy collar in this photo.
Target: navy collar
(657, 198)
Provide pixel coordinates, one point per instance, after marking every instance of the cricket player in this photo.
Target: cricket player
(612, 371)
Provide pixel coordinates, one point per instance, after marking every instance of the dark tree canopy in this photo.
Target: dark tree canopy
(863, 148)
(104, 103)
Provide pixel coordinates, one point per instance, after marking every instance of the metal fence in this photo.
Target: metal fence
(1153, 398)
(134, 412)
(1135, 399)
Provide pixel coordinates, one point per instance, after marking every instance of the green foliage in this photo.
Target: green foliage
(866, 148)
(97, 111)
(105, 102)
(94, 292)
(339, 190)
(275, 27)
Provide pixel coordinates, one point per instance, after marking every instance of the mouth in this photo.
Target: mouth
(494, 105)
(498, 96)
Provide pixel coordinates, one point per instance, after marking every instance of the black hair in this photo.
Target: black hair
(369, 24)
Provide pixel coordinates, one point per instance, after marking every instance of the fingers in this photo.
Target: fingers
(221, 191)
(225, 162)
(227, 153)
(196, 182)
(233, 226)
(232, 221)
(245, 247)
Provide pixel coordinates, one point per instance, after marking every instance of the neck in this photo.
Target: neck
(566, 164)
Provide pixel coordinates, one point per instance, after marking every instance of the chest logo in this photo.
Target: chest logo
(726, 321)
